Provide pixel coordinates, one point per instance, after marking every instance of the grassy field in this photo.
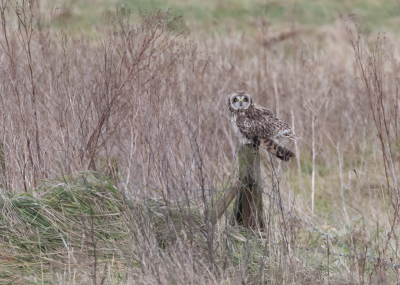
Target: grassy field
(116, 145)
(220, 14)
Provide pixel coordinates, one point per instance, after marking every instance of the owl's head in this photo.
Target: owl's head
(239, 100)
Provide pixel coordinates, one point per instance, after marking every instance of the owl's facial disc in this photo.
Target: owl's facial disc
(240, 101)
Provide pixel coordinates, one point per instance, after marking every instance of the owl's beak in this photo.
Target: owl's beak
(240, 103)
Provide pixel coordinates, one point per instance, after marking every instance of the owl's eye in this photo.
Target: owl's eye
(245, 100)
(236, 100)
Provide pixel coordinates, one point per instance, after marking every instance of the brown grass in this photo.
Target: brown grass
(145, 102)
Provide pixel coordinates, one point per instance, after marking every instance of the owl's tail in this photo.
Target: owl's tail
(277, 150)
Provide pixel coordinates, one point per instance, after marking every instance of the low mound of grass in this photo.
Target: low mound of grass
(62, 220)
(84, 230)
(76, 228)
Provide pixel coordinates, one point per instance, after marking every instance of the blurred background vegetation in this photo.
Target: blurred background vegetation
(223, 15)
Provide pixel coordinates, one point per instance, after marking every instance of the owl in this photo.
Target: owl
(254, 124)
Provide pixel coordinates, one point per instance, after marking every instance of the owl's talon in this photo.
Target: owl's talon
(256, 142)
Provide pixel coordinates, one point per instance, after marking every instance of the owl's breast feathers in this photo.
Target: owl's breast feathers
(259, 123)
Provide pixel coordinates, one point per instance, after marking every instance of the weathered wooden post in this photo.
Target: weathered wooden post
(3, 174)
(249, 206)
(224, 197)
(245, 186)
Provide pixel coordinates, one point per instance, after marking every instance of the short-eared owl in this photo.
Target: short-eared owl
(254, 124)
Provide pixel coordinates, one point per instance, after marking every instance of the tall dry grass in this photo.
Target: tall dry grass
(145, 102)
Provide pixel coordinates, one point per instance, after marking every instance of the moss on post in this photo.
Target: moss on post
(249, 207)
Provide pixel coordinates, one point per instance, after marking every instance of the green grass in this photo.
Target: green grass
(44, 228)
(37, 225)
(220, 14)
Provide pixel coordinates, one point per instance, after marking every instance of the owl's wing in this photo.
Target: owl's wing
(262, 123)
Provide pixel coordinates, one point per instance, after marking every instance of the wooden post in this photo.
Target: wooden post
(224, 197)
(249, 207)
(3, 174)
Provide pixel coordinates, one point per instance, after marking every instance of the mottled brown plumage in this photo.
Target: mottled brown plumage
(253, 123)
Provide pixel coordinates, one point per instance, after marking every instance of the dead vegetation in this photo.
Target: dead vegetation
(114, 145)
